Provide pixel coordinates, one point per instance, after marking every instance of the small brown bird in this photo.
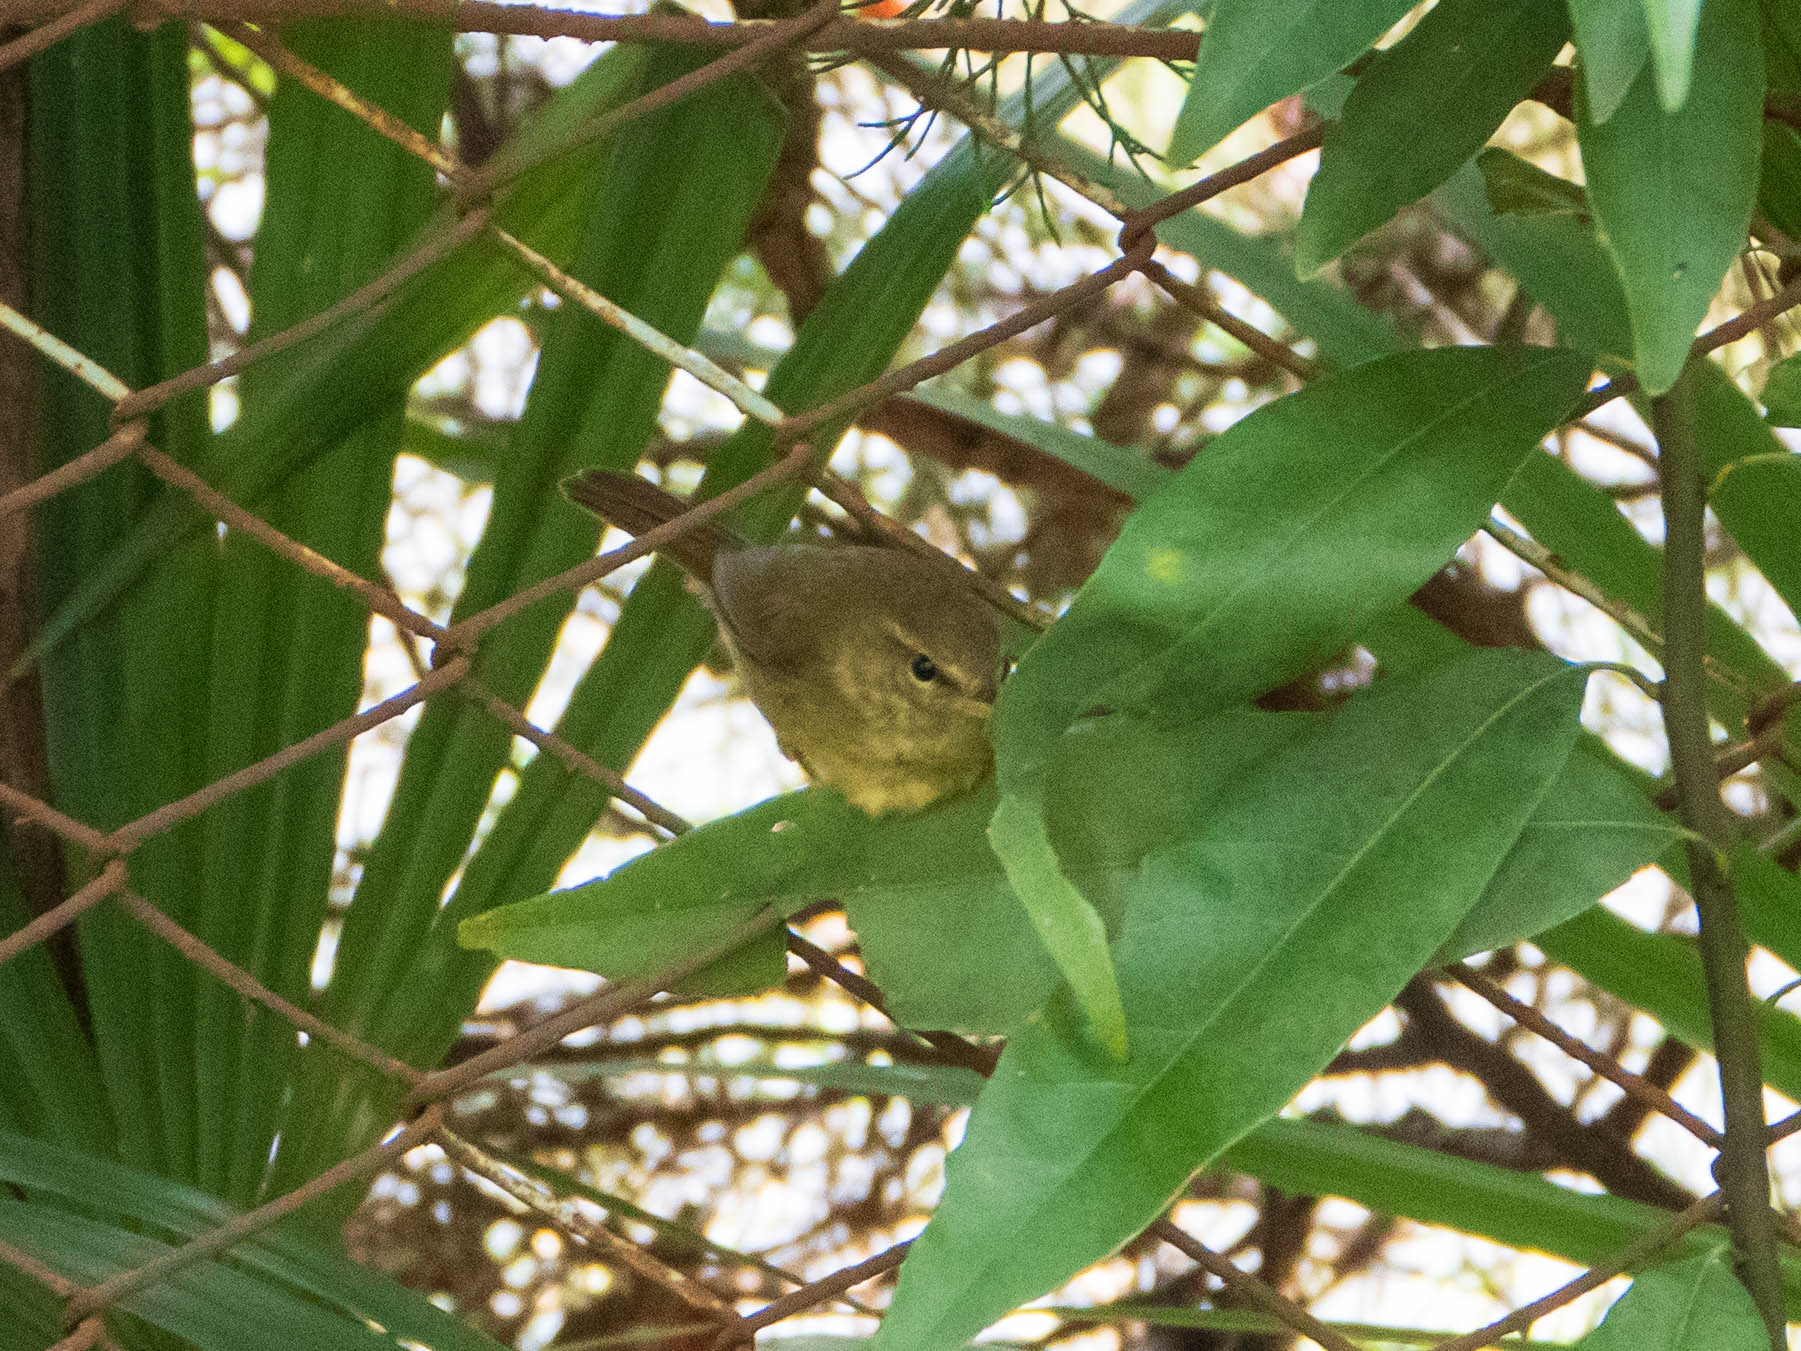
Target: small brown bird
(877, 669)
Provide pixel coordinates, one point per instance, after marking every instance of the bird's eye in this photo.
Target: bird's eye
(924, 669)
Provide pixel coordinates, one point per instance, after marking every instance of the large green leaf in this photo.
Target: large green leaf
(925, 892)
(1673, 191)
(1422, 108)
(1257, 51)
(1255, 562)
(118, 269)
(341, 201)
(1249, 952)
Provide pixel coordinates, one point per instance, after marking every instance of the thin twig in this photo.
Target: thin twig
(130, 836)
(954, 1049)
(1529, 550)
(1201, 301)
(110, 879)
(1634, 1254)
(121, 445)
(567, 1215)
(249, 987)
(799, 1301)
(84, 368)
(377, 598)
(1635, 1086)
(364, 298)
(1746, 1176)
(464, 634)
(333, 90)
(26, 809)
(603, 1007)
(587, 765)
(47, 36)
(1249, 1288)
(708, 372)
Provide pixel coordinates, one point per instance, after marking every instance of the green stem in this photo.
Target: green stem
(1745, 1177)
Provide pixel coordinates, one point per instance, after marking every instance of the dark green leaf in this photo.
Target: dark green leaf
(1422, 108)
(1516, 187)
(1782, 392)
(1593, 830)
(1204, 602)
(1257, 51)
(1673, 191)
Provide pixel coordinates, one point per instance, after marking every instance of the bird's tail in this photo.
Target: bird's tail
(635, 506)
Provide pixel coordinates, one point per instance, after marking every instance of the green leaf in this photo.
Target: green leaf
(1554, 255)
(1257, 559)
(1422, 108)
(91, 1217)
(1594, 828)
(1257, 51)
(1203, 603)
(1693, 1305)
(1769, 898)
(1246, 960)
(287, 655)
(118, 269)
(927, 896)
(1782, 392)
(1118, 467)
(1522, 1210)
(1671, 26)
(1614, 46)
(1759, 501)
(1673, 191)
(1068, 924)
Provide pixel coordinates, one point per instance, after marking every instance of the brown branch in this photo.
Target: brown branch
(1249, 1288)
(799, 1301)
(1634, 1254)
(1633, 1085)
